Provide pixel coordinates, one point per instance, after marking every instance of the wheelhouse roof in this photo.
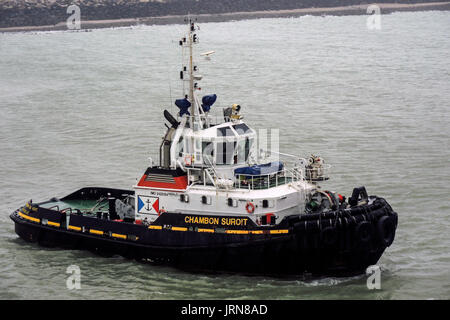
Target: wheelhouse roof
(224, 130)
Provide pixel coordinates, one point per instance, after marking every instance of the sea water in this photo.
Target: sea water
(86, 109)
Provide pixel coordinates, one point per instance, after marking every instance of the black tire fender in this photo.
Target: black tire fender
(386, 230)
(329, 236)
(364, 232)
(299, 226)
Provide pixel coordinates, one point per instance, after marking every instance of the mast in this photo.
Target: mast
(191, 73)
(189, 68)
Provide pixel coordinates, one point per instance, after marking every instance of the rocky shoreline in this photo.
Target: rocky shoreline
(47, 15)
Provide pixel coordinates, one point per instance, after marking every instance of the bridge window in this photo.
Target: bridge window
(224, 132)
(180, 147)
(207, 152)
(248, 147)
(242, 128)
(240, 157)
(225, 152)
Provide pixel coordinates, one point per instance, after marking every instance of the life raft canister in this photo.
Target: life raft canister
(250, 207)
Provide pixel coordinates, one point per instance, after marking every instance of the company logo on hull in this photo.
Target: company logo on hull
(148, 205)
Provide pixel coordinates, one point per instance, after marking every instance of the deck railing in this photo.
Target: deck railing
(266, 181)
(317, 173)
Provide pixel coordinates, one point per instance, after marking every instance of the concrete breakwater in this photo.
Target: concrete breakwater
(16, 15)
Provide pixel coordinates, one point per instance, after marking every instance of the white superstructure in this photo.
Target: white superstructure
(211, 166)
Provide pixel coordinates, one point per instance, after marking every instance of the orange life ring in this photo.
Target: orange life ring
(187, 160)
(250, 207)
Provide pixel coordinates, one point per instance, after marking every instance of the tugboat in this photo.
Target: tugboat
(213, 203)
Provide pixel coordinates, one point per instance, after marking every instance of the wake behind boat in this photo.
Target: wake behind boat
(215, 201)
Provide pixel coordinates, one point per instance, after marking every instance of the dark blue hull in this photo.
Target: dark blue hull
(341, 242)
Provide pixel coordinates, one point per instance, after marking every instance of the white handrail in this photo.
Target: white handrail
(287, 173)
